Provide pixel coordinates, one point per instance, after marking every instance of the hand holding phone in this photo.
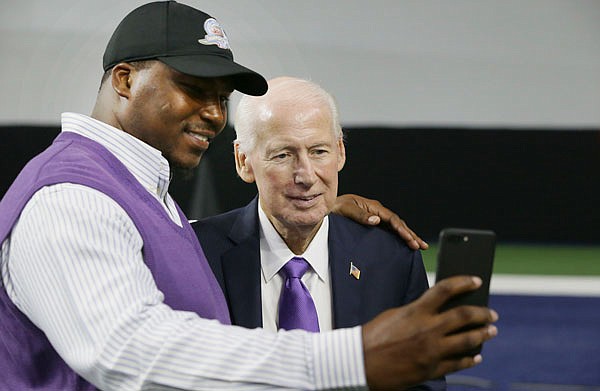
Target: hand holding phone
(467, 252)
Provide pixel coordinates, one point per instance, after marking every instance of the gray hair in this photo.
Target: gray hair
(289, 91)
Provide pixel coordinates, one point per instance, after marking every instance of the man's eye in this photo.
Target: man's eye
(280, 156)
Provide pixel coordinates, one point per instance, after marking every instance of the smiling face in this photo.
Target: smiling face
(295, 164)
(173, 112)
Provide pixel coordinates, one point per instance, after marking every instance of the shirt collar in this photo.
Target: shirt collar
(145, 162)
(275, 253)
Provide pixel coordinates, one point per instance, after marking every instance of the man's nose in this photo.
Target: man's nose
(214, 111)
(304, 172)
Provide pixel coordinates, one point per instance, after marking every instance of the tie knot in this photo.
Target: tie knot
(295, 267)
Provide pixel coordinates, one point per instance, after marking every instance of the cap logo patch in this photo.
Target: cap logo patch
(215, 35)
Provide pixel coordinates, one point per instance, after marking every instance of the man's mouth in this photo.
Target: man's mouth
(200, 137)
(305, 201)
(201, 141)
(306, 198)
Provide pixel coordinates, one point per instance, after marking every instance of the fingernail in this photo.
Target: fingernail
(478, 359)
(477, 281)
(373, 219)
(495, 316)
(492, 330)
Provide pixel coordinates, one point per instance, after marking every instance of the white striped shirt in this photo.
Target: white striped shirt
(73, 264)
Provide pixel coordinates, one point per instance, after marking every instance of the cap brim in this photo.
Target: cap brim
(245, 80)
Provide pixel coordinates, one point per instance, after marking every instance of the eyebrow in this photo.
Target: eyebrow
(283, 146)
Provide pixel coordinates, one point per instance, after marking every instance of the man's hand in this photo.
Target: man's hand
(371, 212)
(414, 343)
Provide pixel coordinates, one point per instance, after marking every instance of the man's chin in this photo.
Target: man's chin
(307, 223)
(185, 170)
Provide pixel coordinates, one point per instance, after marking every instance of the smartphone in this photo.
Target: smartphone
(467, 252)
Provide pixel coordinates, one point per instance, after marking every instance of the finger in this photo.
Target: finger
(402, 229)
(356, 208)
(399, 226)
(376, 208)
(458, 344)
(441, 292)
(406, 234)
(373, 219)
(411, 238)
(456, 364)
(372, 212)
(466, 316)
(362, 211)
(420, 243)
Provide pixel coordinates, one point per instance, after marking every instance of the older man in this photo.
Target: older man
(290, 143)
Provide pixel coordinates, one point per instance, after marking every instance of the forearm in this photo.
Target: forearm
(191, 353)
(98, 305)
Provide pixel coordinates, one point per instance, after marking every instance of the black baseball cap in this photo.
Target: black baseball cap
(184, 38)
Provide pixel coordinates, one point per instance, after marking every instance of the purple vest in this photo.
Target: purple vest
(172, 253)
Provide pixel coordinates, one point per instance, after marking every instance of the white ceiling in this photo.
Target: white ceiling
(395, 62)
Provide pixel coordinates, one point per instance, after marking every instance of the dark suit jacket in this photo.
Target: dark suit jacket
(391, 273)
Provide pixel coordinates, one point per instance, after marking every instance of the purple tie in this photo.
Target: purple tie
(296, 307)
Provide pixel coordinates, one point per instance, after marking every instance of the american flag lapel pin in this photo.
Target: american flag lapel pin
(354, 271)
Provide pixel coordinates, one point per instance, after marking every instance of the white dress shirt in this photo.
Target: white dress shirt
(73, 264)
(274, 254)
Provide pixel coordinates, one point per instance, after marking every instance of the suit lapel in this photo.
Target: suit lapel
(241, 269)
(345, 289)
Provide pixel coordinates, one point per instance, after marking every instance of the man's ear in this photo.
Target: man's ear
(243, 165)
(121, 79)
(341, 154)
